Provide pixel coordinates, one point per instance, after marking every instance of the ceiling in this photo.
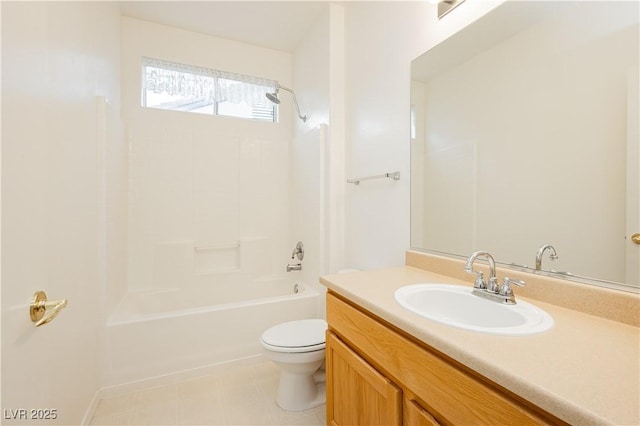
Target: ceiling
(277, 25)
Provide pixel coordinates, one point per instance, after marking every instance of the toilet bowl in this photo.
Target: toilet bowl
(297, 347)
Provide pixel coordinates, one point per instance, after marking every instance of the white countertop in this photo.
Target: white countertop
(585, 370)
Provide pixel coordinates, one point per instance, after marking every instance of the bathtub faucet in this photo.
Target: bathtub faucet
(298, 251)
(294, 267)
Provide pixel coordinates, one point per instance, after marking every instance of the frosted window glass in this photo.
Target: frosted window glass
(180, 87)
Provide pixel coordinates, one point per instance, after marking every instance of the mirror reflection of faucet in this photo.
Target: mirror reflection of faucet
(298, 252)
(553, 255)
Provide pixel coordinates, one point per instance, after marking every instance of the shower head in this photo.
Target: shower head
(273, 97)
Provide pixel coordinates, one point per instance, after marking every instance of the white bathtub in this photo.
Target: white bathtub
(156, 333)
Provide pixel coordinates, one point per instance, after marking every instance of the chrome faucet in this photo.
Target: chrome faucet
(294, 267)
(480, 283)
(298, 252)
(491, 290)
(506, 293)
(541, 250)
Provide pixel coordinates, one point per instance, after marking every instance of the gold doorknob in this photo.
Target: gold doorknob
(40, 305)
(635, 238)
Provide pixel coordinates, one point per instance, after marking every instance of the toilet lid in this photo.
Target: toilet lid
(297, 334)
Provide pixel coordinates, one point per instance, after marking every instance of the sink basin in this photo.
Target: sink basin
(456, 306)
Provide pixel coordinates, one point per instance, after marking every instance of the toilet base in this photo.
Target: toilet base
(299, 392)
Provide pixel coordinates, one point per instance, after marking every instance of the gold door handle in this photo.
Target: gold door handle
(38, 308)
(635, 238)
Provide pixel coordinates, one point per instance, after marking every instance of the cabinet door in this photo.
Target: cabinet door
(357, 394)
(415, 415)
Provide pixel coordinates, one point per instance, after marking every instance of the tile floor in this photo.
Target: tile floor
(240, 395)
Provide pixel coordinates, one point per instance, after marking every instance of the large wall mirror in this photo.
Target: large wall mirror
(525, 133)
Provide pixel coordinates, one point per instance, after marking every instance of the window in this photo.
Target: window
(180, 87)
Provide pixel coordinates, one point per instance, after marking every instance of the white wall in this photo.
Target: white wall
(335, 154)
(200, 184)
(58, 61)
(311, 84)
(381, 40)
(317, 162)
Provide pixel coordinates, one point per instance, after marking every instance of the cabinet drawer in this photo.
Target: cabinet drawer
(453, 395)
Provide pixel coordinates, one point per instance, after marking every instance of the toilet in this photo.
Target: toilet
(297, 347)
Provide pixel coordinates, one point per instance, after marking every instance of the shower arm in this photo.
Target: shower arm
(295, 101)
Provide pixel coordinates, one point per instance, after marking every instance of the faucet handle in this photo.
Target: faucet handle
(507, 291)
(479, 282)
(298, 251)
(492, 285)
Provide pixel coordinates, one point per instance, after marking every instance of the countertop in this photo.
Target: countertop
(585, 370)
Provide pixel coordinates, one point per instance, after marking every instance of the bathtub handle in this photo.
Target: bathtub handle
(298, 251)
(39, 306)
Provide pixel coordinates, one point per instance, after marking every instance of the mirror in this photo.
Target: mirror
(525, 132)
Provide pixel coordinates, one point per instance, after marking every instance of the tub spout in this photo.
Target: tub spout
(294, 267)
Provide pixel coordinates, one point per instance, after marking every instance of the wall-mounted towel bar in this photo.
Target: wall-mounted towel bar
(392, 175)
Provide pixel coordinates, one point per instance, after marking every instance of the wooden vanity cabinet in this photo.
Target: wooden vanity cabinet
(359, 394)
(416, 415)
(379, 375)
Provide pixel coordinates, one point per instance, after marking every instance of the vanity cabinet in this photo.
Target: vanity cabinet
(359, 393)
(380, 375)
(416, 415)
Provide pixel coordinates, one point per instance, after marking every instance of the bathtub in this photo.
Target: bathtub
(162, 332)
